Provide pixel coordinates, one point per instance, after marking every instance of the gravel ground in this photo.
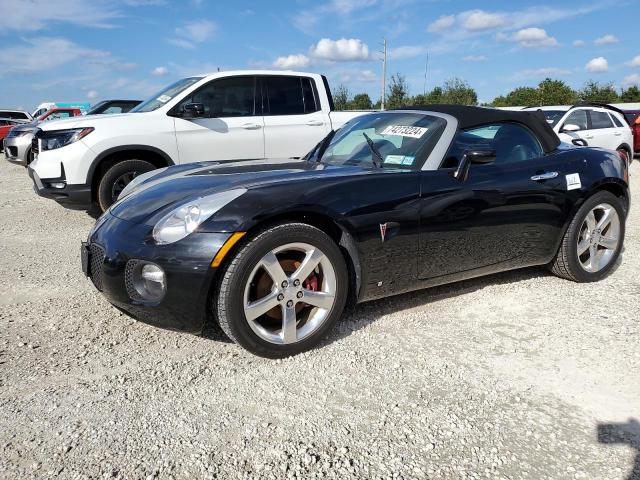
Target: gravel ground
(510, 376)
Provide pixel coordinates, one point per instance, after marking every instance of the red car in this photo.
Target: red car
(6, 124)
(633, 117)
(57, 113)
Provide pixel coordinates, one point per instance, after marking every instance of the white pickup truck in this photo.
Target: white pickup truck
(233, 115)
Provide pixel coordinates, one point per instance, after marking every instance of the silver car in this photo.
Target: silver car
(17, 144)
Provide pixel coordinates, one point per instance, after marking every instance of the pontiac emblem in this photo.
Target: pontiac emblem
(383, 231)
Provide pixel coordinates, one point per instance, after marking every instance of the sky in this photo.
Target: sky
(86, 51)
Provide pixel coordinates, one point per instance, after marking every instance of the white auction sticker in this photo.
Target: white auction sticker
(163, 98)
(573, 181)
(405, 131)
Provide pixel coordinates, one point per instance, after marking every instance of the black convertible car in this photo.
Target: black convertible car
(392, 202)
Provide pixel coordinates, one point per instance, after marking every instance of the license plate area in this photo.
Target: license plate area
(85, 254)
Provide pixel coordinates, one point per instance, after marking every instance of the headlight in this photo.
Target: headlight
(138, 180)
(52, 139)
(184, 219)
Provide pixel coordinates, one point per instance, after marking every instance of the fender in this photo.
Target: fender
(122, 148)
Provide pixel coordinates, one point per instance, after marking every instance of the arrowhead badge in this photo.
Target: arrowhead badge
(383, 231)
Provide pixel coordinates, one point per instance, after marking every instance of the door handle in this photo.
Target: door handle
(617, 134)
(315, 123)
(544, 176)
(251, 126)
(588, 136)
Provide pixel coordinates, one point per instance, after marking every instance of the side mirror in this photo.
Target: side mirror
(580, 142)
(569, 127)
(193, 110)
(471, 157)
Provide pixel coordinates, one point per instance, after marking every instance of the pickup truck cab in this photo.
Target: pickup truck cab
(235, 115)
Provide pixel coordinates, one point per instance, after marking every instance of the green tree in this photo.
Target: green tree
(555, 92)
(594, 92)
(361, 101)
(459, 92)
(630, 95)
(341, 98)
(398, 95)
(520, 97)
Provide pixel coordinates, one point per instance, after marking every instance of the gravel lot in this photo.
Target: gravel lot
(509, 376)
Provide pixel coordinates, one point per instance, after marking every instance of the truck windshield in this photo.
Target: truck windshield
(385, 139)
(553, 116)
(163, 96)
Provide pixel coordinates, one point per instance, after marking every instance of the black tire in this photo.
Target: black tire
(107, 188)
(567, 264)
(229, 301)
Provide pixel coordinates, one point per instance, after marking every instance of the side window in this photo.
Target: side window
(579, 118)
(511, 142)
(600, 120)
(289, 96)
(615, 119)
(226, 97)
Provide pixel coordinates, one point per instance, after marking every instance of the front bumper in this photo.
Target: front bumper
(77, 197)
(187, 266)
(16, 149)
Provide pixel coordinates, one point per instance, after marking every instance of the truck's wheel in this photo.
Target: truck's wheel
(117, 177)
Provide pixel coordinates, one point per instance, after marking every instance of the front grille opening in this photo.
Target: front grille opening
(97, 265)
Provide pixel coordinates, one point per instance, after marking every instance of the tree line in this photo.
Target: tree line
(458, 91)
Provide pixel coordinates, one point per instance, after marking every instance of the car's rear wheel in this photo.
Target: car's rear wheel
(593, 241)
(283, 291)
(117, 177)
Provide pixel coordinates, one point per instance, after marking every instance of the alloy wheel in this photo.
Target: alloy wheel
(121, 182)
(599, 238)
(290, 293)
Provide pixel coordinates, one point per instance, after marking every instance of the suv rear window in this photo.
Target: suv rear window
(600, 120)
(14, 115)
(289, 96)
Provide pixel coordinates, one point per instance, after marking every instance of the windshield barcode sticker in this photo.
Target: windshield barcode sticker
(405, 131)
(163, 98)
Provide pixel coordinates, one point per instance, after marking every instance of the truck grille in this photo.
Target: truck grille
(97, 265)
(34, 145)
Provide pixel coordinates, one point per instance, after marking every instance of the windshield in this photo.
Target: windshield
(553, 116)
(163, 96)
(385, 139)
(97, 108)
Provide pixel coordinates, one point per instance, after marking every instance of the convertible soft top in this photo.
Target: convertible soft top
(469, 117)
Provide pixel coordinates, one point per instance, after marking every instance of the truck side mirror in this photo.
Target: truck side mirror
(193, 110)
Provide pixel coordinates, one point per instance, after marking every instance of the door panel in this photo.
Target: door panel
(602, 131)
(293, 121)
(233, 127)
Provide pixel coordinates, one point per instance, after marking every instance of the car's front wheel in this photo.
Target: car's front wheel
(593, 241)
(283, 290)
(118, 176)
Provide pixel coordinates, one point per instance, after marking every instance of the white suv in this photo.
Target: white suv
(591, 125)
(241, 115)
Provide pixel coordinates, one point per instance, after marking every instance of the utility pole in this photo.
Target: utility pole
(384, 72)
(426, 69)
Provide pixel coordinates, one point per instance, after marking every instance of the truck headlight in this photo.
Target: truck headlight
(183, 220)
(52, 139)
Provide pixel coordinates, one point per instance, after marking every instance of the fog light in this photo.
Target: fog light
(145, 281)
(57, 185)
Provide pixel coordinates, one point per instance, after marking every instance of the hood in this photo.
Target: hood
(176, 185)
(81, 121)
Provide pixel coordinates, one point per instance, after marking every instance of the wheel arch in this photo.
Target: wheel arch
(114, 155)
(338, 233)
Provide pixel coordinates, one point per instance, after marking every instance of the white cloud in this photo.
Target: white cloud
(579, 43)
(92, 94)
(345, 7)
(531, 38)
(367, 76)
(608, 39)
(633, 79)
(479, 20)
(159, 71)
(442, 23)
(41, 54)
(540, 73)
(35, 15)
(193, 33)
(292, 61)
(474, 58)
(341, 50)
(406, 51)
(596, 65)
(635, 62)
